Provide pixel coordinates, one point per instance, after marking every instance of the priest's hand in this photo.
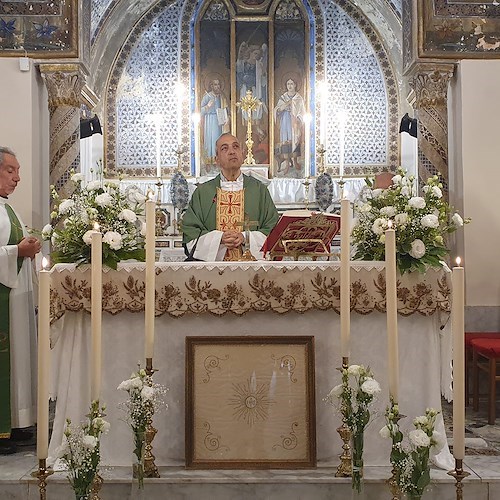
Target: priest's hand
(28, 247)
(232, 239)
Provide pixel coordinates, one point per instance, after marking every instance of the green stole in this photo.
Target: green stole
(16, 235)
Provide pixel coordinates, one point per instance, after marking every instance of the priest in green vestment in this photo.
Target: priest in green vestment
(17, 315)
(212, 225)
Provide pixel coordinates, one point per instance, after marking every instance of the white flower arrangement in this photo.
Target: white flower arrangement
(116, 212)
(411, 461)
(80, 450)
(354, 401)
(421, 223)
(145, 398)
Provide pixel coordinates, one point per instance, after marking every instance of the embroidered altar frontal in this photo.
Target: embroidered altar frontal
(238, 288)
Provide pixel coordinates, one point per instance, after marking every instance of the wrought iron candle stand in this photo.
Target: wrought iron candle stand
(345, 467)
(459, 474)
(42, 474)
(150, 468)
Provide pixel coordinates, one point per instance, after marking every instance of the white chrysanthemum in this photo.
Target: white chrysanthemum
(127, 215)
(397, 179)
(385, 432)
(401, 219)
(388, 211)
(136, 383)
(419, 438)
(66, 206)
(147, 393)
(376, 193)
(365, 208)
(416, 202)
(429, 221)
(405, 191)
(47, 231)
(370, 386)
(436, 191)
(417, 249)
(379, 225)
(354, 370)
(89, 442)
(113, 239)
(335, 392)
(79, 177)
(457, 220)
(93, 186)
(87, 237)
(104, 200)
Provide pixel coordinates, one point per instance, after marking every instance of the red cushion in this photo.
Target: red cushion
(489, 348)
(469, 336)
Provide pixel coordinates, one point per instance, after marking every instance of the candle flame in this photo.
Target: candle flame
(45, 263)
(96, 226)
(150, 195)
(458, 261)
(389, 224)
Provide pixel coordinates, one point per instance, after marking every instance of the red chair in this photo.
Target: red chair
(485, 357)
(469, 336)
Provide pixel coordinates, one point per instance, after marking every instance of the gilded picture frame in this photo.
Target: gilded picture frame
(250, 402)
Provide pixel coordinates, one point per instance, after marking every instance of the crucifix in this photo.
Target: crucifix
(248, 104)
(246, 225)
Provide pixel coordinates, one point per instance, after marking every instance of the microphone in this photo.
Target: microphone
(190, 254)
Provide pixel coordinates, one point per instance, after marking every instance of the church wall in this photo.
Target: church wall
(475, 156)
(24, 127)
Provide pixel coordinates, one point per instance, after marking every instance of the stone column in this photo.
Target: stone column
(64, 83)
(429, 82)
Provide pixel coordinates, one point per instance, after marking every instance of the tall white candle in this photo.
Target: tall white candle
(149, 307)
(96, 314)
(392, 312)
(457, 325)
(342, 117)
(42, 430)
(345, 278)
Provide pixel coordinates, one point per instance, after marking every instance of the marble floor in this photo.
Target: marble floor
(482, 462)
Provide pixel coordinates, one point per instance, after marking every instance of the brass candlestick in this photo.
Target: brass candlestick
(96, 487)
(150, 468)
(249, 104)
(321, 152)
(459, 474)
(345, 467)
(306, 184)
(42, 474)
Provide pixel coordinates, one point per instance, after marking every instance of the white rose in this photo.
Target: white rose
(401, 219)
(125, 385)
(370, 386)
(354, 370)
(335, 392)
(136, 383)
(65, 206)
(429, 221)
(397, 179)
(365, 208)
(87, 237)
(405, 191)
(79, 177)
(379, 226)
(436, 191)
(417, 249)
(147, 392)
(47, 231)
(104, 199)
(89, 442)
(388, 211)
(127, 215)
(385, 432)
(416, 202)
(426, 188)
(419, 438)
(113, 239)
(93, 186)
(101, 424)
(376, 193)
(457, 220)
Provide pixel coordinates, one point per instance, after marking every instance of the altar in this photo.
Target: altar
(247, 299)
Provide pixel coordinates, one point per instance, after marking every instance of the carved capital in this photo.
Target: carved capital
(64, 84)
(430, 84)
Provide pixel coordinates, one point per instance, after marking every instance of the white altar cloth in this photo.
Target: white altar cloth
(424, 345)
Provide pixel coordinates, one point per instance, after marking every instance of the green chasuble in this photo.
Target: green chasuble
(16, 235)
(200, 217)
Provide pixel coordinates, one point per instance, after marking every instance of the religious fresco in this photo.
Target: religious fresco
(459, 28)
(41, 28)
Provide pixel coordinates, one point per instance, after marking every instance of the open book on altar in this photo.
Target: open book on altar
(302, 232)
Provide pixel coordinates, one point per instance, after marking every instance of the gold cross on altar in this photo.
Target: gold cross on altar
(248, 104)
(246, 225)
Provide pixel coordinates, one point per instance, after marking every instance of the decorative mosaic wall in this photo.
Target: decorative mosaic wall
(42, 28)
(100, 11)
(143, 79)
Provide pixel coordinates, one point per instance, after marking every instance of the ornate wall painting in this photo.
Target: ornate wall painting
(250, 402)
(459, 28)
(41, 28)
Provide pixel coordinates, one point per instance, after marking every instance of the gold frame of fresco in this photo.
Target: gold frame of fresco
(250, 402)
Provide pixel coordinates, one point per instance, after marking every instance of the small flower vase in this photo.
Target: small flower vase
(138, 464)
(357, 461)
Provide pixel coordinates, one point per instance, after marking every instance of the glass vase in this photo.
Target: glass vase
(138, 463)
(357, 461)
